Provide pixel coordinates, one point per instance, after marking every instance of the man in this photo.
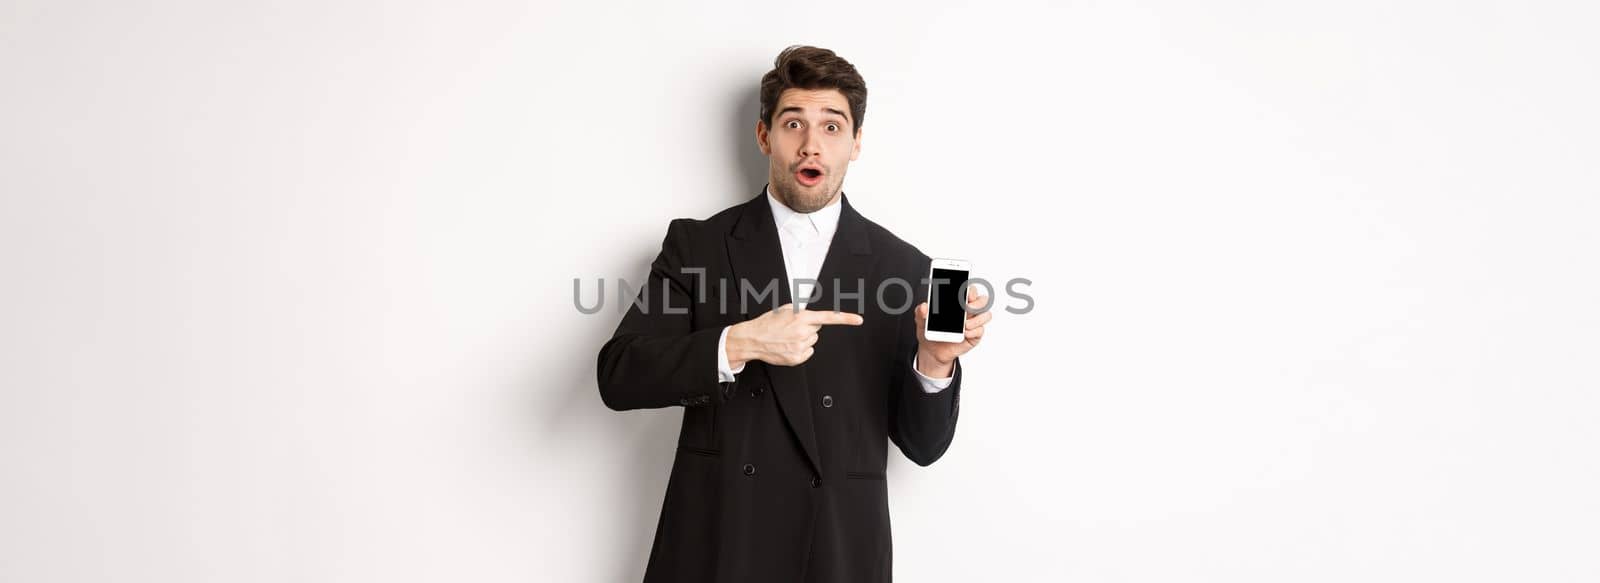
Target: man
(779, 470)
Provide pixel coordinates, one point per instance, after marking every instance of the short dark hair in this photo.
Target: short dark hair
(803, 67)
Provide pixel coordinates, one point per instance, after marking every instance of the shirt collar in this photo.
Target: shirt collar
(825, 220)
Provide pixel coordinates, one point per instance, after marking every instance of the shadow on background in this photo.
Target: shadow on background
(651, 434)
(742, 148)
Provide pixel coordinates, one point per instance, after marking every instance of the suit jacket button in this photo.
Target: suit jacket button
(827, 400)
(749, 469)
(816, 482)
(684, 401)
(756, 390)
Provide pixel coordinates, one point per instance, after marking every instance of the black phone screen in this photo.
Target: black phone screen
(944, 309)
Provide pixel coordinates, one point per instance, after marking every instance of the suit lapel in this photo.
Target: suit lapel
(849, 259)
(756, 256)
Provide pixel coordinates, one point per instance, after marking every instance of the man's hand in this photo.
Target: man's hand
(783, 336)
(937, 359)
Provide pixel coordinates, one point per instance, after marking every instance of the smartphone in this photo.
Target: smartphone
(947, 316)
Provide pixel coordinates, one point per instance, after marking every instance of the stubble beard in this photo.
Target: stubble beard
(806, 200)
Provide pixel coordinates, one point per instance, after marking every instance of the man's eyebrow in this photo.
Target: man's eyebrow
(798, 109)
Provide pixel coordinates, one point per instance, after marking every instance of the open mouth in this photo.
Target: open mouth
(809, 176)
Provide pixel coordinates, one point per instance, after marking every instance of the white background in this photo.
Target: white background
(287, 287)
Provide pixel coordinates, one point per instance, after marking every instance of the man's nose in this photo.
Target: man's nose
(812, 144)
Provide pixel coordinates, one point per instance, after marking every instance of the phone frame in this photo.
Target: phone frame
(937, 335)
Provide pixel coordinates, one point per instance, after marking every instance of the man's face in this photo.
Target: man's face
(808, 147)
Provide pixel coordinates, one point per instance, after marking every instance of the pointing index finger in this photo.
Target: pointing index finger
(830, 317)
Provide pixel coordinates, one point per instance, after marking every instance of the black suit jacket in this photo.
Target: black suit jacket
(778, 476)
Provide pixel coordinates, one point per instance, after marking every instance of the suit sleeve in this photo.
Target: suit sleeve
(921, 424)
(656, 358)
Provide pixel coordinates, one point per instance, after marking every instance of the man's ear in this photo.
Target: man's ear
(855, 150)
(761, 137)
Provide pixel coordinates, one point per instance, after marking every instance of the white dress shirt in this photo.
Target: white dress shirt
(805, 238)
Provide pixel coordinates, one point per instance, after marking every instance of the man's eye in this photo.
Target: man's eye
(833, 127)
(793, 125)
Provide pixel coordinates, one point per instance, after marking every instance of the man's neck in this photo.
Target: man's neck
(831, 202)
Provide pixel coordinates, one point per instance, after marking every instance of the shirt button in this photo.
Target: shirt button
(827, 400)
(749, 469)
